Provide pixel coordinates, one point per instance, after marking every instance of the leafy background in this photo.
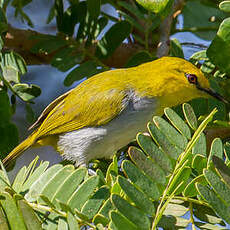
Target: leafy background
(178, 176)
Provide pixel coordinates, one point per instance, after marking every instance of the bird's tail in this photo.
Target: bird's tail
(17, 151)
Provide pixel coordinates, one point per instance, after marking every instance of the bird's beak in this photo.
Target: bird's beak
(214, 94)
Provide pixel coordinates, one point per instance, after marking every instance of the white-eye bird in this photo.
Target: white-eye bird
(105, 112)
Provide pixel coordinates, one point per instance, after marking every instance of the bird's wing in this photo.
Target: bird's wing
(47, 110)
(82, 107)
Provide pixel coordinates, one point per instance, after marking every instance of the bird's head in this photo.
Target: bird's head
(180, 81)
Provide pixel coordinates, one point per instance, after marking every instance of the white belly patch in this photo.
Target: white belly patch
(89, 143)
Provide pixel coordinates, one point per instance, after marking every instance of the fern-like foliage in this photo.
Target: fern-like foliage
(170, 182)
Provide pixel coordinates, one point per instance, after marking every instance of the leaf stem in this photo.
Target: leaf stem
(181, 162)
(191, 200)
(40, 207)
(191, 216)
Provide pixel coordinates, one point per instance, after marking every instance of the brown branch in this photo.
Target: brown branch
(20, 41)
(212, 133)
(165, 29)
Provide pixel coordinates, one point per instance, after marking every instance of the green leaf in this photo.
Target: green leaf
(175, 210)
(92, 205)
(72, 222)
(62, 225)
(176, 48)
(41, 182)
(71, 182)
(149, 167)
(48, 44)
(137, 196)
(172, 222)
(139, 58)
(207, 67)
(177, 122)
(3, 220)
(133, 214)
(121, 222)
(225, 6)
(30, 116)
(200, 146)
(101, 24)
(181, 176)
(26, 92)
(35, 175)
(207, 226)
(30, 218)
(4, 181)
(197, 15)
(206, 214)
(100, 227)
(219, 105)
(68, 19)
(9, 138)
(1, 43)
(3, 22)
(112, 172)
(5, 111)
(219, 50)
(12, 65)
(220, 187)
(171, 133)
(216, 203)
(142, 181)
(93, 7)
(132, 8)
(134, 24)
(198, 56)
(155, 6)
(19, 179)
(51, 187)
(156, 154)
(82, 194)
(13, 215)
(190, 115)
(87, 69)
(190, 190)
(216, 149)
(51, 15)
(162, 141)
(227, 152)
(199, 162)
(51, 222)
(103, 214)
(67, 58)
(107, 45)
(222, 168)
(200, 105)
(46, 201)
(197, 133)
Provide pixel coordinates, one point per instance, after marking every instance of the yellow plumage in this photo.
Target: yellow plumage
(102, 98)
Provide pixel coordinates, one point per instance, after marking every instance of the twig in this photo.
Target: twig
(20, 41)
(196, 29)
(202, 46)
(165, 29)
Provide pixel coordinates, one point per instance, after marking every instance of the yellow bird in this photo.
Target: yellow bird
(105, 112)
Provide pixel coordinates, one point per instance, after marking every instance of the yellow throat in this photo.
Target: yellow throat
(105, 112)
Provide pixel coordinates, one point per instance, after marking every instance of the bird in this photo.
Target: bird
(105, 112)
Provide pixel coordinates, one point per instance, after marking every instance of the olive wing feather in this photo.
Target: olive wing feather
(80, 108)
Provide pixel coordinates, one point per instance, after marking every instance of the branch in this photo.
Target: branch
(20, 41)
(212, 133)
(165, 28)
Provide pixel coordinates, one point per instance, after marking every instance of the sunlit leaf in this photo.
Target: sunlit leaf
(219, 50)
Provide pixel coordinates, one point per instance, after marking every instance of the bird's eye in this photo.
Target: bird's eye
(192, 78)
